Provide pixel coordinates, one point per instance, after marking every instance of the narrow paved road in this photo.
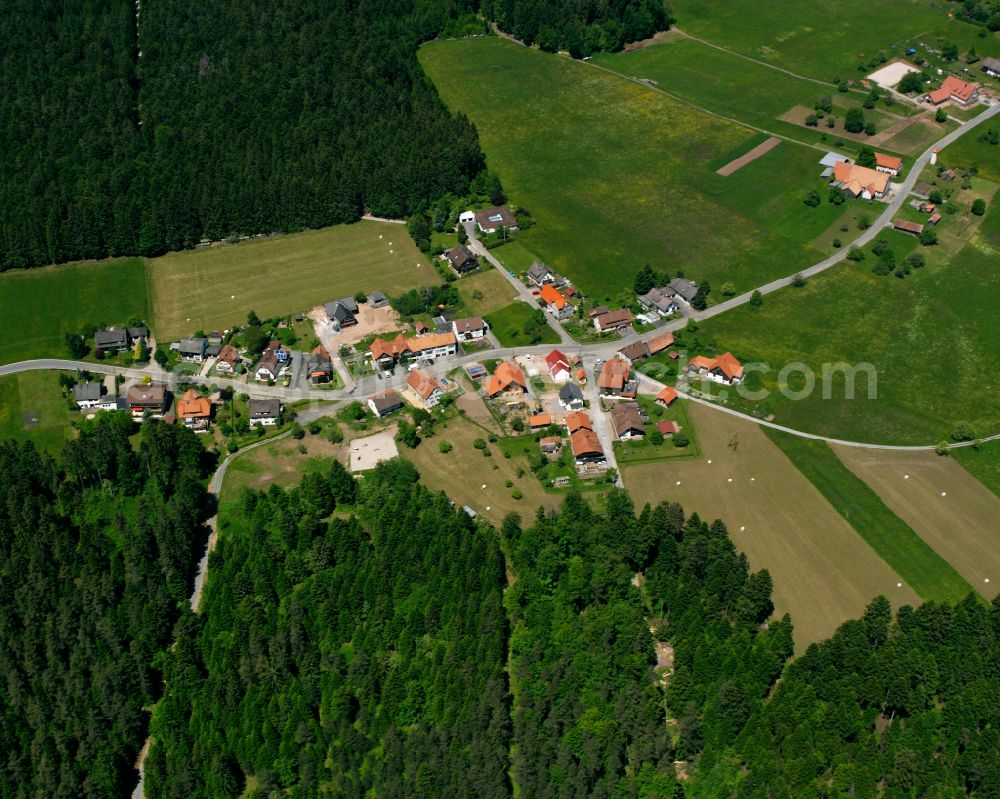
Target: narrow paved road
(523, 292)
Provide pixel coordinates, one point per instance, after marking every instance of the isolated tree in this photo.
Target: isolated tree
(949, 51)
(912, 82)
(811, 199)
(866, 157)
(824, 103)
(756, 299)
(728, 289)
(700, 300)
(799, 281)
(979, 207)
(928, 236)
(444, 447)
(76, 345)
(941, 116)
(854, 120)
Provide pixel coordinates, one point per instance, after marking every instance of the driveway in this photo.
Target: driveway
(602, 424)
(523, 292)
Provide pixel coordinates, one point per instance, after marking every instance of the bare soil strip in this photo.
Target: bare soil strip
(746, 158)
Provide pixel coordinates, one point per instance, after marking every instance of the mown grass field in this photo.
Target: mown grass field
(933, 339)
(982, 463)
(495, 289)
(279, 462)
(947, 507)
(824, 572)
(515, 256)
(735, 87)
(617, 174)
(215, 288)
(35, 393)
(40, 306)
(508, 323)
(930, 573)
(822, 40)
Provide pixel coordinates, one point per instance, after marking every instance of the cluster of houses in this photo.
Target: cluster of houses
(489, 220)
(191, 409)
(956, 91)
(113, 340)
(861, 181)
(386, 353)
(669, 299)
(555, 293)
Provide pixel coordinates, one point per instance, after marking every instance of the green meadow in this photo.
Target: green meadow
(823, 40)
(617, 174)
(40, 306)
(933, 339)
(39, 396)
(971, 151)
(983, 462)
(508, 324)
(727, 84)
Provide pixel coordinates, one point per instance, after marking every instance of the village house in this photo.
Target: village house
(152, 398)
(955, 90)
(137, 333)
(668, 427)
(432, 346)
(539, 421)
(722, 369)
(192, 349)
(991, 66)
(860, 181)
(586, 447)
(264, 412)
(662, 301)
(571, 397)
(666, 397)
(551, 446)
(613, 320)
(578, 420)
(319, 366)
(385, 403)
(422, 390)
(539, 274)
(110, 340)
(490, 220)
(228, 359)
(684, 290)
(558, 365)
(613, 379)
(342, 313)
(506, 381)
(627, 422)
(633, 352)
(555, 302)
(194, 411)
(377, 300)
(461, 260)
(659, 342)
(91, 396)
(272, 361)
(889, 164)
(470, 328)
(385, 353)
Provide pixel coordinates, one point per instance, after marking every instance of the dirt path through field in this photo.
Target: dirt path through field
(738, 163)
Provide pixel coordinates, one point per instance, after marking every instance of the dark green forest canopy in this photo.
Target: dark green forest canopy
(364, 654)
(95, 557)
(126, 135)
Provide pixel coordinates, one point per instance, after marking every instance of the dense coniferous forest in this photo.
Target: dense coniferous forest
(133, 135)
(365, 653)
(95, 556)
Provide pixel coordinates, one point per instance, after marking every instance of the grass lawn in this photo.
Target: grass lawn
(216, 287)
(508, 325)
(983, 463)
(969, 151)
(40, 306)
(464, 470)
(893, 539)
(36, 393)
(515, 256)
(824, 573)
(495, 290)
(735, 87)
(946, 506)
(618, 175)
(824, 41)
(933, 338)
